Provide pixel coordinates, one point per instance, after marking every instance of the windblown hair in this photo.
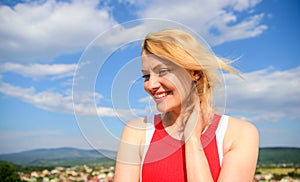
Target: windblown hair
(184, 50)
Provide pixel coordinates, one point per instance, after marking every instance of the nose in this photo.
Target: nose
(153, 82)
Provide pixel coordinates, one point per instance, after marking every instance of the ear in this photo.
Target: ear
(196, 75)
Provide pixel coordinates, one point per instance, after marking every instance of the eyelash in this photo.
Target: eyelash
(146, 76)
(161, 72)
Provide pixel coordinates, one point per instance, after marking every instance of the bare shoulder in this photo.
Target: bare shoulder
(130, 148)
(131, 142)
(134, 131)
(239, 125)
(240, 133)
(240, 146)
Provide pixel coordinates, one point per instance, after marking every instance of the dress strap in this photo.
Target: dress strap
(220, 134)
(148, 136)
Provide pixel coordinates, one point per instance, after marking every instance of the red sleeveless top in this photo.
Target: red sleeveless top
(165, 158)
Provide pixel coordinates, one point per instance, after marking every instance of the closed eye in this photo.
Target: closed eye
(163, 72)
(146, 77)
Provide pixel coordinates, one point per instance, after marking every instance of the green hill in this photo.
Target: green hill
(279, 155)
(73, 156)
(59, 157)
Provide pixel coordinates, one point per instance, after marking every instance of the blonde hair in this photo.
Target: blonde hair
(184, 50)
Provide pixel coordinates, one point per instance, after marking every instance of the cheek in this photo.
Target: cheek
(180, 83)
(146, 88)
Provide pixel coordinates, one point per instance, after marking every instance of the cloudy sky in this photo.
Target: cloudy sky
(69, 70)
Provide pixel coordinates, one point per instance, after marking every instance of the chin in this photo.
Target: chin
(162, 108)
(165, 108)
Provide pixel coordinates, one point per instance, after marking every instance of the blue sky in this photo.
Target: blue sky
(46, 52)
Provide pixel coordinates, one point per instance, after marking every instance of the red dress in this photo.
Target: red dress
(164, 159)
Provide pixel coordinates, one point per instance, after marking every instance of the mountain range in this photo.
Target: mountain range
(59, 157)
(73, 156)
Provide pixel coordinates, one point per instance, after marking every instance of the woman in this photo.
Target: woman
(188, 141)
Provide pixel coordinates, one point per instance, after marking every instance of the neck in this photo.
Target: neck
(170, 118)
(172, 122)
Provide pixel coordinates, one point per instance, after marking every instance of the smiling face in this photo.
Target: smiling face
(167, 83)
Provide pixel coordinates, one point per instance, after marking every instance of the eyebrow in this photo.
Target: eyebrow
(156, 67)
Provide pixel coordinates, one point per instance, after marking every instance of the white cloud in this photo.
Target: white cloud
(44, 100)
(85, 103)
(38, 71)
(216, 22)
(245, 29)
(42, 31)
(145, 99)
(265, 95)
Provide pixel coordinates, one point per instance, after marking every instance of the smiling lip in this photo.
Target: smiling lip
(159, 96)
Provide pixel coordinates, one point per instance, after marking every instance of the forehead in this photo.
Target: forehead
(150, 61)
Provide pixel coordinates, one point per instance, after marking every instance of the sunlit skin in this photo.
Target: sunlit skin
(168, 84)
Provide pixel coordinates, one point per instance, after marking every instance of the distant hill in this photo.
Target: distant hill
(279, 155)
(59, 157)
(73, 156)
